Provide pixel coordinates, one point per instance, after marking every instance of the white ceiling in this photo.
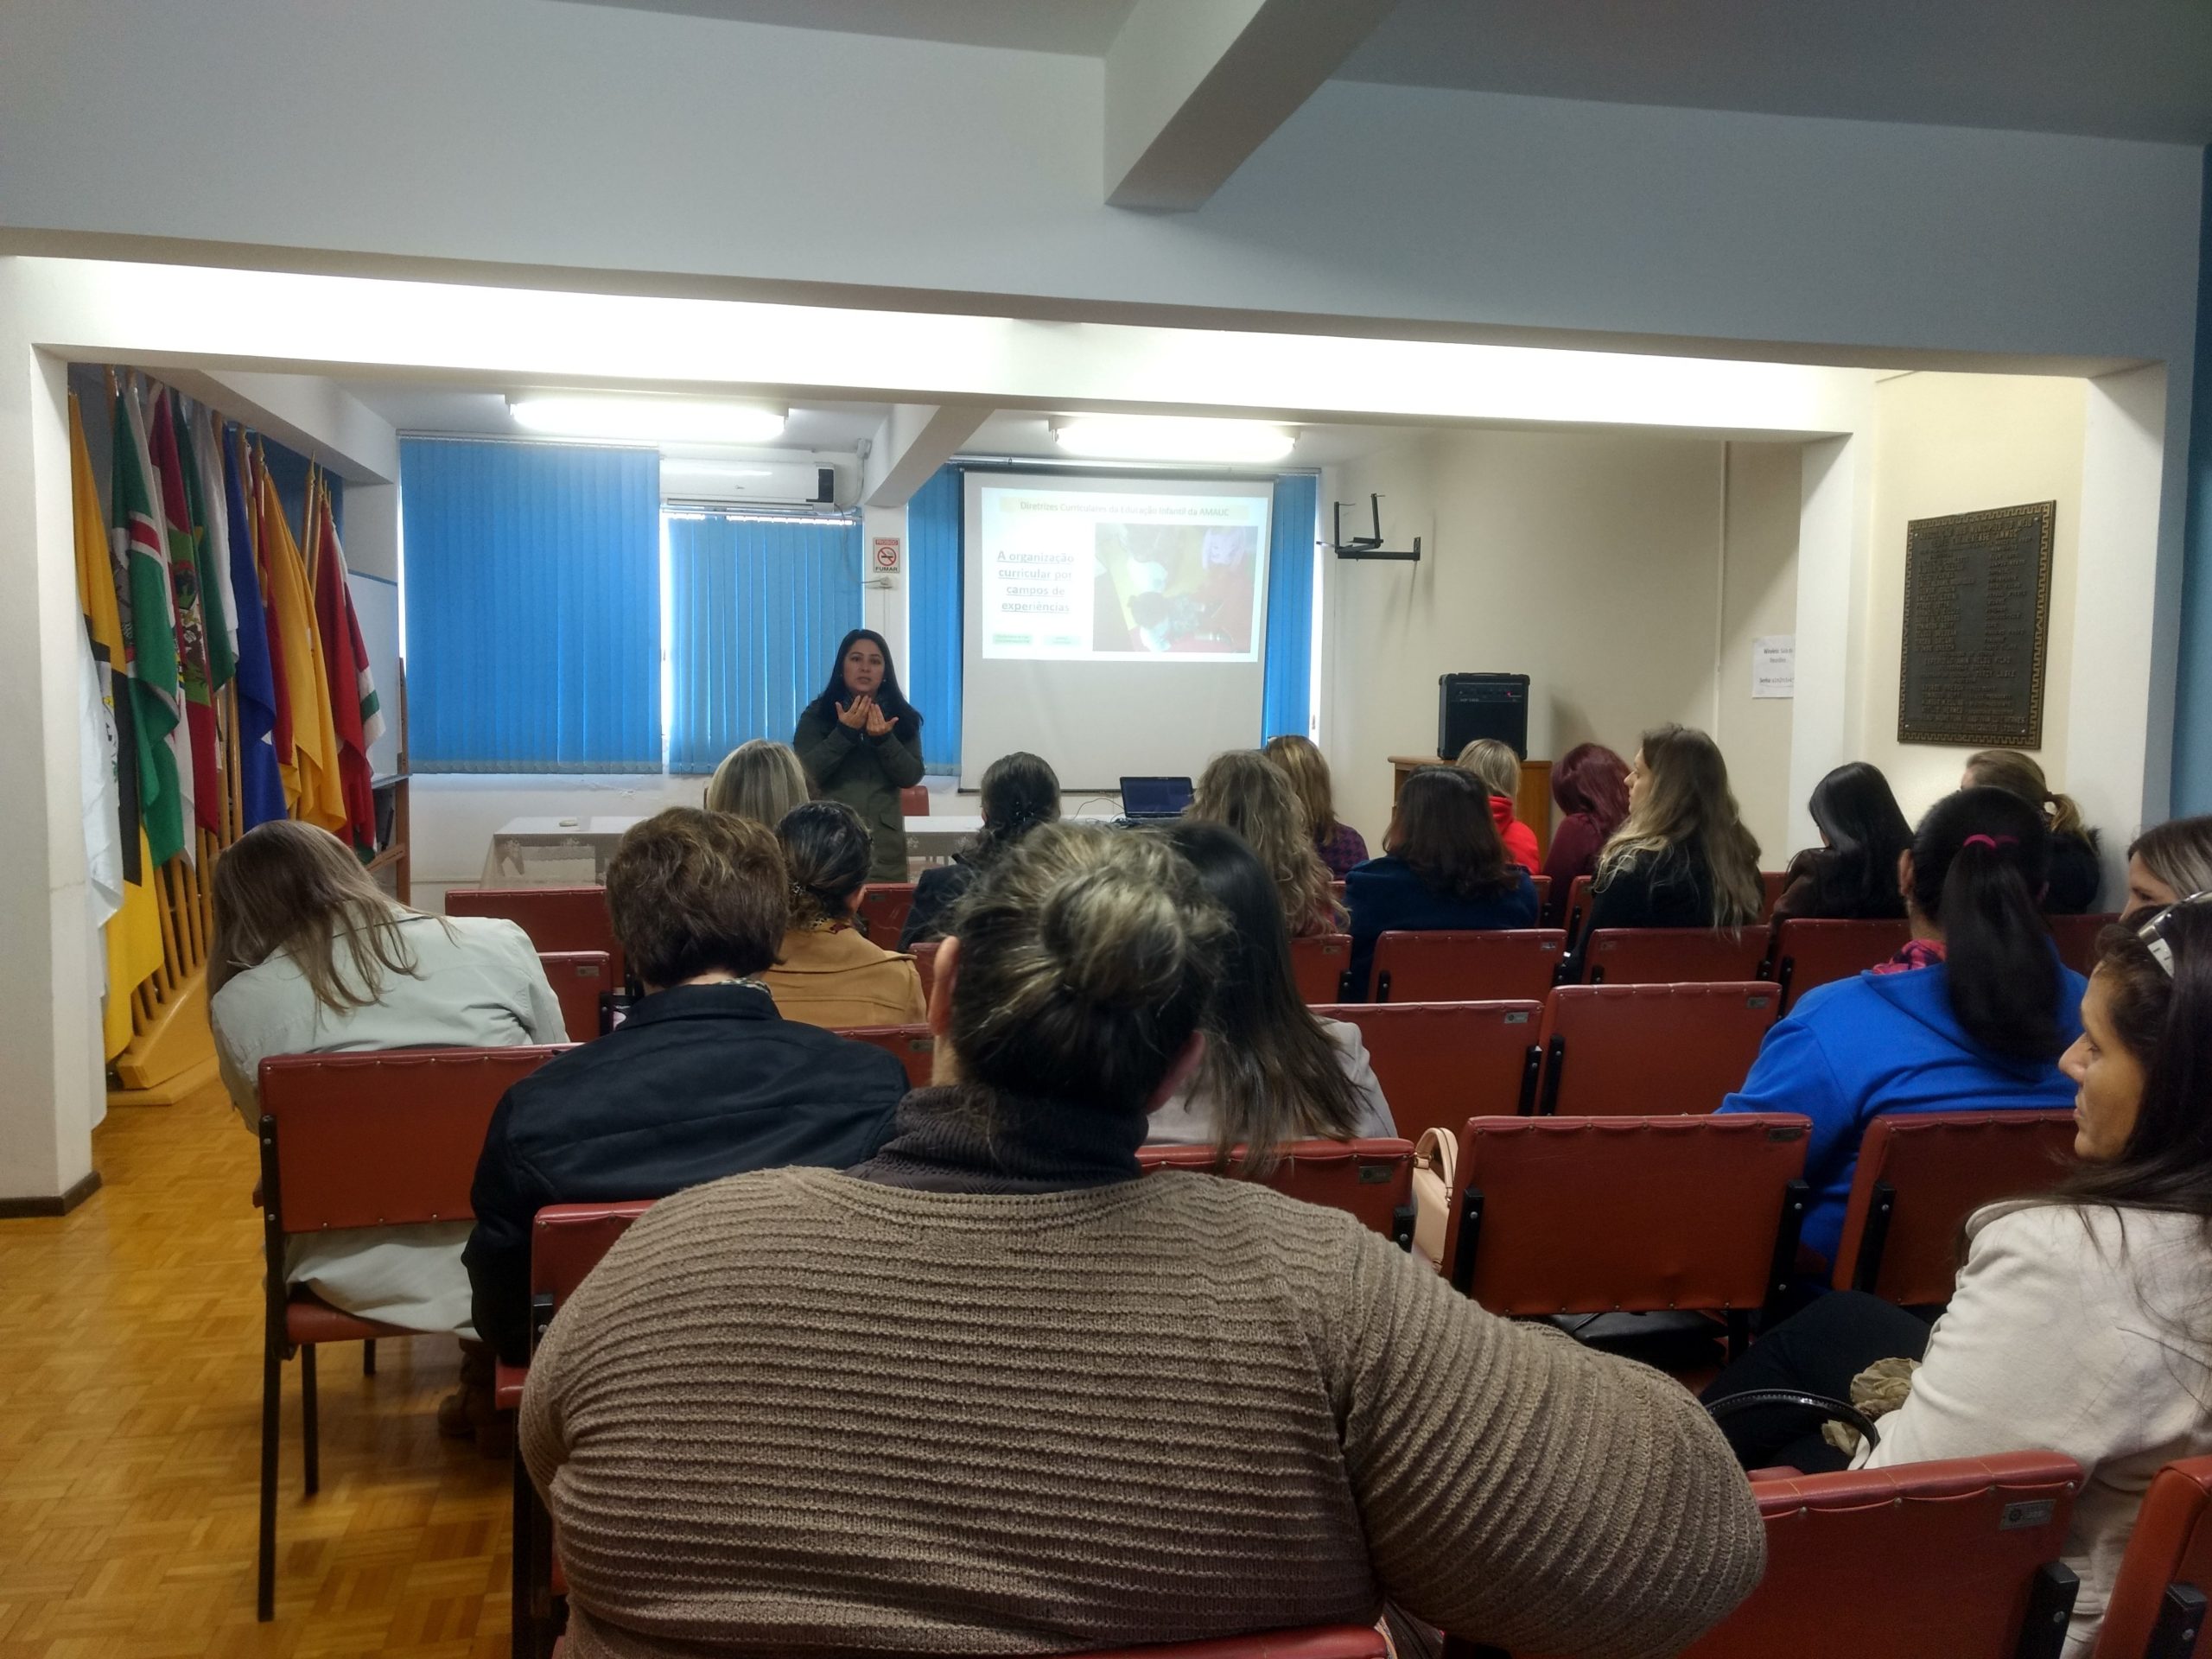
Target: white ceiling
(2117, 68)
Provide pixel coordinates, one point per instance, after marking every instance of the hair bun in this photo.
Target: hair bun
(1114, 941)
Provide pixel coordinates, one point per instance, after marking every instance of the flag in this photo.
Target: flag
(207, 445)
(261, 787)
(133, 934)
(150, 639)
(250, 464)
(313, 787)
(191, 617)
(203, 496)
(351, 694)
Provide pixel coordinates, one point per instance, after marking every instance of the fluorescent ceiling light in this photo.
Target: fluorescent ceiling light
(1148, 437)
(644, 418)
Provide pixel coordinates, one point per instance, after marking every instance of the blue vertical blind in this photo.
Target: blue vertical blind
(934, 598)
(1288, 704)
(533, 607)
(756, 608)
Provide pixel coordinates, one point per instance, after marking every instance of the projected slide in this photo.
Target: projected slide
(1080, 572)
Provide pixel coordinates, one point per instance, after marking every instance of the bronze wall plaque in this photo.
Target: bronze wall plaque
(1977, 625)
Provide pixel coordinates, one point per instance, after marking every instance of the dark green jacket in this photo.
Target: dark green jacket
(866, 774)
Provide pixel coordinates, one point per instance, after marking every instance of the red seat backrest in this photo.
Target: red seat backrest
(924, 954)
(1926, 1560)
(884, 907)
(914, 801)
(1938, 1168)
(557, 919)
(1808, 953)
(567, 1240)
(1476, 965)
(1440, 1063)
(578, 979)
(1648, 1050)
(1577, 905)
(1300, 1642)
(384, 1139)
(2171, 1545)
(2076, 937)
(1588, 1215)
(1772, 885)
(1317, 964)
(1671, 956)
(1372, 1181)
(1543, 886)
(915, 1047)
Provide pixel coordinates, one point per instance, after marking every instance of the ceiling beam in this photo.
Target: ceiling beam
(911, 445)
(1194, 87)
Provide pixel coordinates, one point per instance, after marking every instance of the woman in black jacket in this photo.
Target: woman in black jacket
(1020, 790)
(1853, 875)
(2076, 868)
(1682, 858)
(861, 742)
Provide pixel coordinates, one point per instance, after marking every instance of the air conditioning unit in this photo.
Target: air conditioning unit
(719, 483)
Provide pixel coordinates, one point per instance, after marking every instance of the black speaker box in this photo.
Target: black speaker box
(1469, 706)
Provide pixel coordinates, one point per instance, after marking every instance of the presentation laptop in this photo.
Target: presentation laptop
(1150, 800)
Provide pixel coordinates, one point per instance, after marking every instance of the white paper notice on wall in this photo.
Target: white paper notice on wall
(1774, 665)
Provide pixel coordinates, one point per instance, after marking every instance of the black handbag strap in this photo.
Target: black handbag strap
(1754, 1399)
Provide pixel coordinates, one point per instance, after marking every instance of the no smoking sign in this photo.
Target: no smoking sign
(885, 552)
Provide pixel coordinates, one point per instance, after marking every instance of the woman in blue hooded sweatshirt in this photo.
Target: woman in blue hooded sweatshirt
(1973, 1013)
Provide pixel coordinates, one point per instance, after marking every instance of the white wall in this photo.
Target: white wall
(1758, 597)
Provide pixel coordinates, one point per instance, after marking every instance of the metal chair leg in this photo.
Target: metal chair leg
(369, 1357)
(308, 1432)
(272, 1398)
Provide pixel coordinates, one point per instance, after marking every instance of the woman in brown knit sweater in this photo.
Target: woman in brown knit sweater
(992, 1392)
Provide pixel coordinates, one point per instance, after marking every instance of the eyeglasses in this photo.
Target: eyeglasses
(2153, 933)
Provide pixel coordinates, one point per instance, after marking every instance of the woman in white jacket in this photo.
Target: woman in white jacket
(2082, 1322)
(310, 958)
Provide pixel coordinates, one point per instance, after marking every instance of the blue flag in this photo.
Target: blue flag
(262, 789)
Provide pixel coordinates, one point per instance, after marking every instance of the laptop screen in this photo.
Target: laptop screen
(1154, 798)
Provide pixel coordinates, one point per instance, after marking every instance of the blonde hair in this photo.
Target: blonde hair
(2016, 774)
(1253, 795)
(1308, 768)
(759, 780)
(1689, 804)
(1086, 959)
(1495, 763)
(289, 888)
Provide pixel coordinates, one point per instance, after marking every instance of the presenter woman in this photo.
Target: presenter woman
(861, 742)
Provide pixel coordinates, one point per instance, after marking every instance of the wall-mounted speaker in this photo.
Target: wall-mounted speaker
(1469, 706)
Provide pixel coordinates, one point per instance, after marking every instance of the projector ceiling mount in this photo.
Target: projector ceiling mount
(1367, 547)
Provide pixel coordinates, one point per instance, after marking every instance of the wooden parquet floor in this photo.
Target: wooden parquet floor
(130, 1438)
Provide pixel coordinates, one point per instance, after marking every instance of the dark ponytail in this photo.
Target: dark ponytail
(1980, 862)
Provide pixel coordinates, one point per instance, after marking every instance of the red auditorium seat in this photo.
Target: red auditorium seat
(1372, 1181)
(2076, 937)
(1592, 1215)
(924, 954)
(884, 907)
(1317, 963)
(1478, 966)
(377, 1140)
(579, 978)
(914, 801)
(2157, 1610)
(915, 1047)
(1439, 1063)
(557, 919)
(1543, 886)
(1646, 1051)
(1577, 907)
(1772, 885)
(1807, 954)
(1674, 956)
(1956, 1560)
(1921, 1174)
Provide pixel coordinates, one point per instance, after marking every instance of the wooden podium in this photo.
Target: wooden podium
(1532, 806)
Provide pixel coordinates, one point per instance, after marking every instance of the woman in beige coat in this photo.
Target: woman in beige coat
(827, 972)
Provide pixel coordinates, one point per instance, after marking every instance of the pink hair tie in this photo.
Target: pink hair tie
(1992, 841)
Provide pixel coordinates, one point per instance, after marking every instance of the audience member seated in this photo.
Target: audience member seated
(1340, 846)
(1973, 1012)
(1498, 769)
(1020, 790)
(2077, 1322)
(1853, 875)
(1443, 868)
(1272, 1072)
(2168, 864)
(759, 780)
(1590, 788)
(310, 958)
(1682, 858)
(1253, 795)
(827, 973)
(990, 1392)
(2076, 873)
(702, 1079)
